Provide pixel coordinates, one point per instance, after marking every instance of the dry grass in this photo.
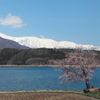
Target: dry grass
(44, 96)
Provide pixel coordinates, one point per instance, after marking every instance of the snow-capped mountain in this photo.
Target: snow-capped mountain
(34, 42)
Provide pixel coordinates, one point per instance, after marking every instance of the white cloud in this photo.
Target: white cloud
(42, 36)
(14, 21)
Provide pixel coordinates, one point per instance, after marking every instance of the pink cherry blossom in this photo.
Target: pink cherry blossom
(78, 65)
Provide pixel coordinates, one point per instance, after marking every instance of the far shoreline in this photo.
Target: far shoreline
(36, 66)
(29, 65)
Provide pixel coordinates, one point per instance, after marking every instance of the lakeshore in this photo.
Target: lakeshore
(37, 66)
(29, 65)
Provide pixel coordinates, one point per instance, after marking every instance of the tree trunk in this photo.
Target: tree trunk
(87, 84)
(86, 81)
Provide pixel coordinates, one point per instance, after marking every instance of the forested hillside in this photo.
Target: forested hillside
(29, 56)
(40, 56)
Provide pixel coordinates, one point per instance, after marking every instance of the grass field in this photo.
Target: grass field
(48, 95)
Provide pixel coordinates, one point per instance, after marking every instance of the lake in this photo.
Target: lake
(39, 78)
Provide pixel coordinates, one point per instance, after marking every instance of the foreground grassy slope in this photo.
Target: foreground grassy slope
(47, 95)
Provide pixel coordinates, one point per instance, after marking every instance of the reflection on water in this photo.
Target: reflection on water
(38, 78)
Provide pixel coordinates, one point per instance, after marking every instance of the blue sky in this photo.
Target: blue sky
(61, 20)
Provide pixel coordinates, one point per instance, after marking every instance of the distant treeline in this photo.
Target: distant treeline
(40, 56)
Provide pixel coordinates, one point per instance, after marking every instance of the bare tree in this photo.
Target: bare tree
(78, 66)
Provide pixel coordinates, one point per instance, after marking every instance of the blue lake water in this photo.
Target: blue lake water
(39, 78)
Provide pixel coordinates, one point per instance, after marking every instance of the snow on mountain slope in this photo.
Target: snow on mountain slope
(34, 42)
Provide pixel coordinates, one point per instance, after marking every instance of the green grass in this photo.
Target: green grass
(95, 95)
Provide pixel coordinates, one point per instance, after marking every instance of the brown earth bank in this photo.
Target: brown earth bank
(44, 96)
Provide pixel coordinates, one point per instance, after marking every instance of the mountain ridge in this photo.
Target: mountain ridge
(6, 43)
(34, 42)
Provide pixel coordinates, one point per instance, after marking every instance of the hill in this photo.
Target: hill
(29, 56)
(39, 56)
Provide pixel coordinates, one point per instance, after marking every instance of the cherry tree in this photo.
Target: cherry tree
(78, 65)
